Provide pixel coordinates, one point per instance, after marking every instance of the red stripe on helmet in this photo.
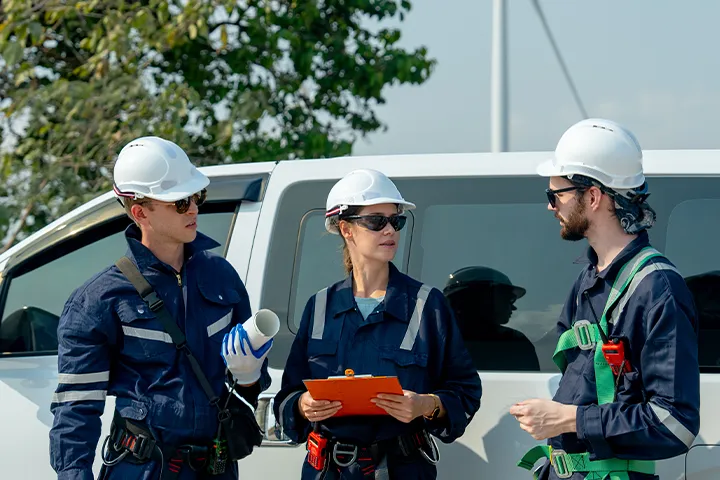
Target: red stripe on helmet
(334, 211)
(120, 193)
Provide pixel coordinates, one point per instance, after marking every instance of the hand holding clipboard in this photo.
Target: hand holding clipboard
(354, 393)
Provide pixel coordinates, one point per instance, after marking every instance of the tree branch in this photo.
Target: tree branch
(239, 23)
(23, 220)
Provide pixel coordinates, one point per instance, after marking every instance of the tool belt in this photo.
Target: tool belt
(372, 459)
(134, 443)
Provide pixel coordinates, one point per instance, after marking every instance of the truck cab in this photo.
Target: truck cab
(487, 210)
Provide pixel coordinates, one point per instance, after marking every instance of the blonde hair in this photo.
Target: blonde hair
(335, 221)
(347, 261)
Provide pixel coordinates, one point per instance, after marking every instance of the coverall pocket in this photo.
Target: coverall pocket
(409, 367)
(219, 304)
(143, 333)
(131, 409)
(322, 358)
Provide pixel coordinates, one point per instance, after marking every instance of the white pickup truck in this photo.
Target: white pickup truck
(472, 209)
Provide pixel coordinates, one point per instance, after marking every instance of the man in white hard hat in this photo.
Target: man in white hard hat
(630, 390)
(155, 346)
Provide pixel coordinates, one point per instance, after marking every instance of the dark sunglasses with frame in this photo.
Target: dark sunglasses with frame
(552, 195)
(376, 223)
(183, 205)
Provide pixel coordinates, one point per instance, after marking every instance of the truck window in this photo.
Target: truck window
(692, 235)
(35, 297)
(502, 227)
(500, 231)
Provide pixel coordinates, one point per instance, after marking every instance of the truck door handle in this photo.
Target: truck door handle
(265, 416)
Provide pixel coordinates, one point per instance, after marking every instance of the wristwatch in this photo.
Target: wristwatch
(436, 411)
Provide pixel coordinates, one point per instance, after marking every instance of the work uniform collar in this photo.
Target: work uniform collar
(396, 296)
(621, 259)
(145, 259)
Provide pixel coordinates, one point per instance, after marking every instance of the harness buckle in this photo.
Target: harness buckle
(154, 301)
(224, 415)
(560, 461)
(196, 456)
(143, 447)
(183, 347)
(345, 449)
(583, 333)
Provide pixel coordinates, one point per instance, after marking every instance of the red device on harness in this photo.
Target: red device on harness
(613, 350)
(317, 450)
(614, 353)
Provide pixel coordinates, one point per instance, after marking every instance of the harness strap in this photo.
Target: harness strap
(373, 459)
(567, 464)
(149, 296)
(586, 335)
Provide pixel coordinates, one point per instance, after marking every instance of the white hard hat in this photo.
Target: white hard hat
(156, 168)
(599, 149)
(360, 188)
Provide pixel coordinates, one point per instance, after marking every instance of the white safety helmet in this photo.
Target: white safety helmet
(360, 188)
(156, 168)
(599, 149)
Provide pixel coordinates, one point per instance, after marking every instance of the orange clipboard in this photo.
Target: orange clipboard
(354, 392)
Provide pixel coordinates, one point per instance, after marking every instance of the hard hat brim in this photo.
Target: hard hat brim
(196, 183)
(379, 201)
(549, 169)
(518, 291)
(449, 290)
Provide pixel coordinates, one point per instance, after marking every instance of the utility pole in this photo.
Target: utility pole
(498, 80)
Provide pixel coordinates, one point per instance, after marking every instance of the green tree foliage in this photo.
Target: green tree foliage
(228, 80)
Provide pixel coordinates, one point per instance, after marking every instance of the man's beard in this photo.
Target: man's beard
(576, 225)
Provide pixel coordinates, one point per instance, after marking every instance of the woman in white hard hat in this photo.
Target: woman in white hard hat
(378, 322)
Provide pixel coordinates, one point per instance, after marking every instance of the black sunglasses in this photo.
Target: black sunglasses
(183, 205)
(378, 222)
(552, 194)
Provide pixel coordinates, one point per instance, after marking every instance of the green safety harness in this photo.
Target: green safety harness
(586, 336)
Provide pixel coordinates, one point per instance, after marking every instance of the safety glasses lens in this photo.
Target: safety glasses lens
(182, 206)
(551, 197)
(377, 222)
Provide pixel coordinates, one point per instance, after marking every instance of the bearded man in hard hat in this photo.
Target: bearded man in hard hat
(157, 351)
(630, 390)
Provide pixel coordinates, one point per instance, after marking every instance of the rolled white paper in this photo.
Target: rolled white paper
(261, 327)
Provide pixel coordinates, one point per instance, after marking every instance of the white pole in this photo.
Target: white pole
(498, 80)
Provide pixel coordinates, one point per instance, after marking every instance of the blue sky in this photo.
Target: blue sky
(651, 65)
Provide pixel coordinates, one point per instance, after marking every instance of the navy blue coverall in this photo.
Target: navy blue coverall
(431, 358)
(655, 414)
(110, 343)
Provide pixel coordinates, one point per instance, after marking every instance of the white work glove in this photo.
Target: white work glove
(240, 358)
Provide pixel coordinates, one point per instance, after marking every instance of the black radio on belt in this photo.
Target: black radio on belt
(218, 457)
